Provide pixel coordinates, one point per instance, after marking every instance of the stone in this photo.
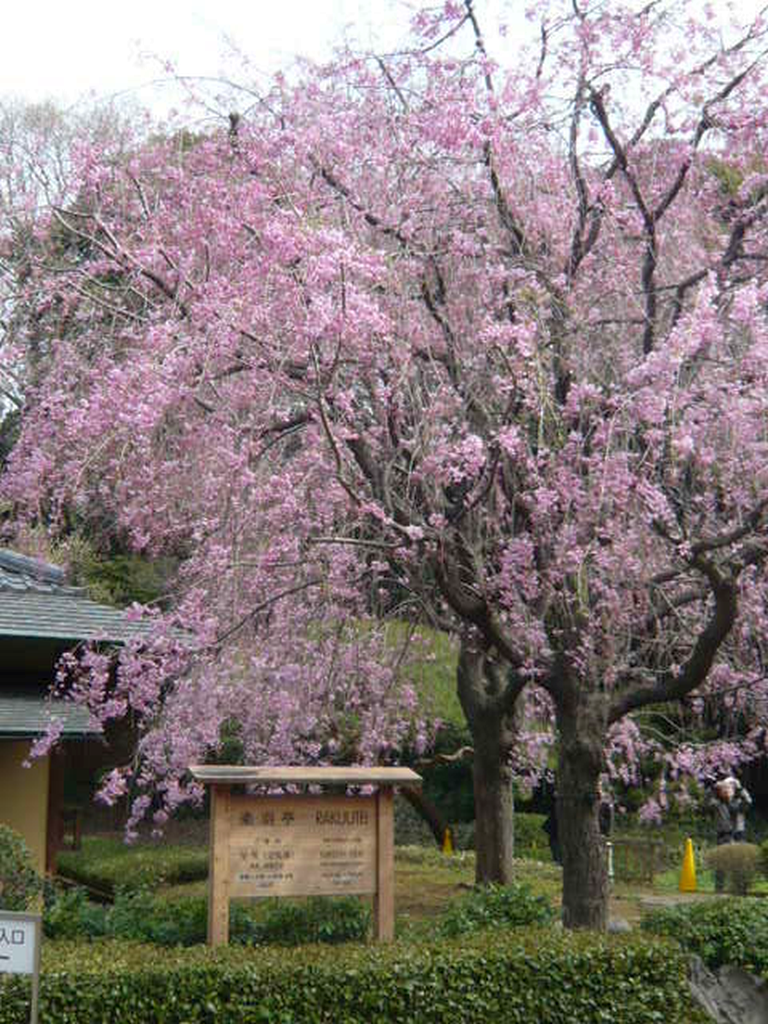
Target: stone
(730, 995)
(618, 925)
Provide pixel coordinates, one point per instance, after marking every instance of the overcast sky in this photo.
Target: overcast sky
(66, 49)
(63, 49)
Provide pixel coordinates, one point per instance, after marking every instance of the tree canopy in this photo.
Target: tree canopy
(481, 346)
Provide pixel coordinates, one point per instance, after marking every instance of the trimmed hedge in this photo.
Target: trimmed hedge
(531, 841)
(143, 917)
(494, 905)
(738, 862)
(106, 864)
(505, 976)
(725, 931)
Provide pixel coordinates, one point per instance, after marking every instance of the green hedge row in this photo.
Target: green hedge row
(531, 841)
(725, 931)
(503, 976)
(107, 864)
(143, 917)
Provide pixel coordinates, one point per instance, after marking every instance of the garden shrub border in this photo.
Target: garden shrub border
(723, 931)
(106, 864)
(510, 977)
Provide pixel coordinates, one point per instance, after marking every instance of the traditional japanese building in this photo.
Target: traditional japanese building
(41, 617)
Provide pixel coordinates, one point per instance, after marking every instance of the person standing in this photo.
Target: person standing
(724, 792)
(740, 803)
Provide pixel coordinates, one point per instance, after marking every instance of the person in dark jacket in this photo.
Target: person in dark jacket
(724, 792)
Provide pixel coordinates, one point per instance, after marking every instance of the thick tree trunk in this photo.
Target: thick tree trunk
(489, 703)
(585, 868)
(494, 803)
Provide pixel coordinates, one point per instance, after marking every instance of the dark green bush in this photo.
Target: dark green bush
(316, 920)
(495, 905)
(140, 917)
(69, 914)
(143, 917)
(728, 931)
(19, 882)
(738, 862)
(501, 976)
(134, 916)
(531, 841)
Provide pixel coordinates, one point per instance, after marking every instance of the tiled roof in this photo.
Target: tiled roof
(36, 601)
(28, 713)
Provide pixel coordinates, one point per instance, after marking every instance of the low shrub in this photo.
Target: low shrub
(108, 864)
(140, 917)
(143, 917)
(738, 862)
(531, 841)
(410, 828)
(721, 932)
(134, 916)
(493, 906)
(19, 882)
(69, 914)
(503, 976)
(317, 919)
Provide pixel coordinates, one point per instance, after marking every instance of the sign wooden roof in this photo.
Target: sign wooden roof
(226, 774)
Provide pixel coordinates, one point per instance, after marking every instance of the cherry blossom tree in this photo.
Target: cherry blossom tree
(38, 147)
(423, 335)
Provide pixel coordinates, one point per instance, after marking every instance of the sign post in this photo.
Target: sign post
(301, 844)
(20, 949)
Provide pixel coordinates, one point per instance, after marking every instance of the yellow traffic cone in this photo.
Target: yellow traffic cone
(447, 841)
(688, 874)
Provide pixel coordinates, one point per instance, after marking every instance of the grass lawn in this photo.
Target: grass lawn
(106, 862)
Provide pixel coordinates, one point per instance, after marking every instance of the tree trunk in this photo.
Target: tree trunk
(489, 702)
(585, 868)
(427, 810)
(494, 803)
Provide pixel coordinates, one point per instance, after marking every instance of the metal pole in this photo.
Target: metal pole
(609, 848)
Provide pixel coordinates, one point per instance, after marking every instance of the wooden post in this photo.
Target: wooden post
(384, 900)
(218, 867)
(54, 825)
(33, 1011)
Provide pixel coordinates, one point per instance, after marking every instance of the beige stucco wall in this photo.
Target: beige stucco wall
(24, 796)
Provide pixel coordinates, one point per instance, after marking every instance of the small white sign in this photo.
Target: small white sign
(18, 943)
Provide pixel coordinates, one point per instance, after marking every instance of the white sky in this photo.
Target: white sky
(65, 49)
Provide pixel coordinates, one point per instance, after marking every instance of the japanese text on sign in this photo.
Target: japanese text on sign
(302, 846)
(17, 945)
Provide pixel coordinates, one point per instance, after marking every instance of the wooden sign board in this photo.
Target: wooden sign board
(302, 846)
(290, 845)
